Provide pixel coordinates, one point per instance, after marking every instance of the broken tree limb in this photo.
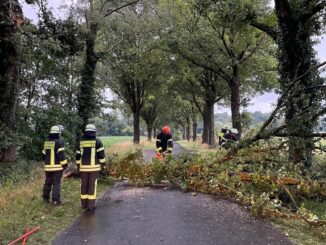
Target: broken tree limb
(278, 213)
(282, 181)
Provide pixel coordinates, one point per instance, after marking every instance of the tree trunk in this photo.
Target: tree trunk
(296, 56)
(211, 139)
(188, 130)
(86, 97)
(154, 132)
(206, 123)
(136, 115)
(194, 131)
(208, 118)
(194, 123)
(10, 15)
(235, 99)
(184, 132)
(149, 133)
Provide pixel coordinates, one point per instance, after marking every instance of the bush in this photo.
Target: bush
(33, 134)
(18, 171)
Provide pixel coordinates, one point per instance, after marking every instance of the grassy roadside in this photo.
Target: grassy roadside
(21, 206)
(298, 233)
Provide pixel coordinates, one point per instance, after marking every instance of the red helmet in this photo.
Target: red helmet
(166, 130)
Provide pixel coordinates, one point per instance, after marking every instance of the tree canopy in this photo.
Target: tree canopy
(164, 62)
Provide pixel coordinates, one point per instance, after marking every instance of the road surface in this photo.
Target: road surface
(146, 216)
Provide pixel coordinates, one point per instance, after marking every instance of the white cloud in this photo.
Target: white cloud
(30, 10)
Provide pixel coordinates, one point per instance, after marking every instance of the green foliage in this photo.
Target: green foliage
(159, 171)
(20, 171)
(36, 132)
(208, 173)
(112, 124)
(131, 167)
(8, 138)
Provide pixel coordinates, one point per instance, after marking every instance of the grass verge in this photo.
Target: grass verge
(21, 206)
(124, 147)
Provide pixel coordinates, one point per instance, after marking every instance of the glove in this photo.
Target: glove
(64, 167)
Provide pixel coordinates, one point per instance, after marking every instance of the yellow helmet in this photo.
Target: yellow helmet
(55, 130)
(90, 128)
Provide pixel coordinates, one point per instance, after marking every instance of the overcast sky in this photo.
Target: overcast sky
(263, 103)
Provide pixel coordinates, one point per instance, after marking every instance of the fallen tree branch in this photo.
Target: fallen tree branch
(290, 195)
(263, 134)
(278, 213)
(282, 181)
(283, 134)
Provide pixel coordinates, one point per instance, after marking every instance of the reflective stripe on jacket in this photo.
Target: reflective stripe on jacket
(90, 155)
(54, 154)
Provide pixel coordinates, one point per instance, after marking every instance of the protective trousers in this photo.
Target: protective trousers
(88, 189)
(52, 181)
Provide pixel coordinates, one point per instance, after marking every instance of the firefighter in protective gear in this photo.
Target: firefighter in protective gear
(164, 141)
(221, 134)
(54, 164)
(90, 160)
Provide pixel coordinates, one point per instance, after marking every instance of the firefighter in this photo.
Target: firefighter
(54, 164)
(90, 160)
(164, 141)
(221, 134)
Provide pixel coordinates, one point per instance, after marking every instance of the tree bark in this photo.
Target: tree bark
(10, 18)
(296, 57)
(188, 131)
(149, 133)
(184, 132)
(86, 97)
(136, 115)
(206, 123)
(209, 125)
(211, 138)
(194, 123)
(154, 132)
(194, 131)
(235, 99)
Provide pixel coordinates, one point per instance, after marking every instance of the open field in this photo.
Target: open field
(124, 146)
(111, 140)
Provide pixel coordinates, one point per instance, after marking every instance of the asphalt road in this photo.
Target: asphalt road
(145, 216)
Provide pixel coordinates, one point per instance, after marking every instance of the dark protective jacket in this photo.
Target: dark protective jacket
(90, 155)
(164, 142)
(54, 154)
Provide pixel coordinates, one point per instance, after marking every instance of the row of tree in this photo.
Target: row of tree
(168, 61)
